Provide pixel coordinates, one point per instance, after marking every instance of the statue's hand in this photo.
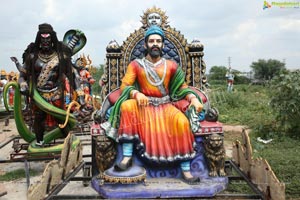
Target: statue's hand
(142, 100)
(80, 97)
(196, 103)
(92, 81)
(81, 100)
(24, 87)
(14, 59)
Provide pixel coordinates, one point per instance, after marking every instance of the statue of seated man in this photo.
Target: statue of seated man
(144, 114)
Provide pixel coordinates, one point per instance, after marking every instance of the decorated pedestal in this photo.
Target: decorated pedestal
(142, 181)
(158, 181)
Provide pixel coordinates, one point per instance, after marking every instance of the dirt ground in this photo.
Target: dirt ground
(17, 189)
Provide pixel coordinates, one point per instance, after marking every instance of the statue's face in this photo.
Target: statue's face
(79, 63)
(154, 19)
(154, 45)
(46, 42)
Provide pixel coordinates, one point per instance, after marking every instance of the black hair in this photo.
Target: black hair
(30, 55)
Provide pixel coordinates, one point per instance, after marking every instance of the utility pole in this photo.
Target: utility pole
(229, 76)
(229, 63)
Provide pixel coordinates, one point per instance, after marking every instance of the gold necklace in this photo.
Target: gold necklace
(46, 57)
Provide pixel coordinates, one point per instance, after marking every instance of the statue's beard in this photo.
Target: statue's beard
(155, 51)
(45, 47)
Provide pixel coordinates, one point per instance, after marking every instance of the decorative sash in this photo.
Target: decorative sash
(42, 79)
(150, 71)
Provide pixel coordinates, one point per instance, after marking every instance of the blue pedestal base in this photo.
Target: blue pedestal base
(161, 188)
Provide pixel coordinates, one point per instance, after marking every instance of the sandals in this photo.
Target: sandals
(191, 181)
(123, 167)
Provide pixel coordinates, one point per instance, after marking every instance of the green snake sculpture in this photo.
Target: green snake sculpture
(22, 127)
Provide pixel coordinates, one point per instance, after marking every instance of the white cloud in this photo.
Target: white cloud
(243, 31)
(290, 25)
(50, 10)
(127, 27)
(246, 34)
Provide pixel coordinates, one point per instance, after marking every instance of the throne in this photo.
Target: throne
(106, 152)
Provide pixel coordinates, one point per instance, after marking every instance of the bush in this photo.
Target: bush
(285, 100)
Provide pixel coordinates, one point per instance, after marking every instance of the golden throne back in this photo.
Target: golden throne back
(176, 47)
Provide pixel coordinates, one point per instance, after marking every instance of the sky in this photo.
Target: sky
(237, 29)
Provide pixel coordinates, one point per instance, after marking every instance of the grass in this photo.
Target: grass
(246, 105)
(237, 186)
(249, 105)
(16, 175)
(283, 156)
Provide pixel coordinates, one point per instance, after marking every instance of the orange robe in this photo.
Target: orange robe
(162, 132)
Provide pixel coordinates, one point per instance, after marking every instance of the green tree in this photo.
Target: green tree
(267, 69)
(217, 74)
(97, 73)
(285, 100)
(238, 78)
